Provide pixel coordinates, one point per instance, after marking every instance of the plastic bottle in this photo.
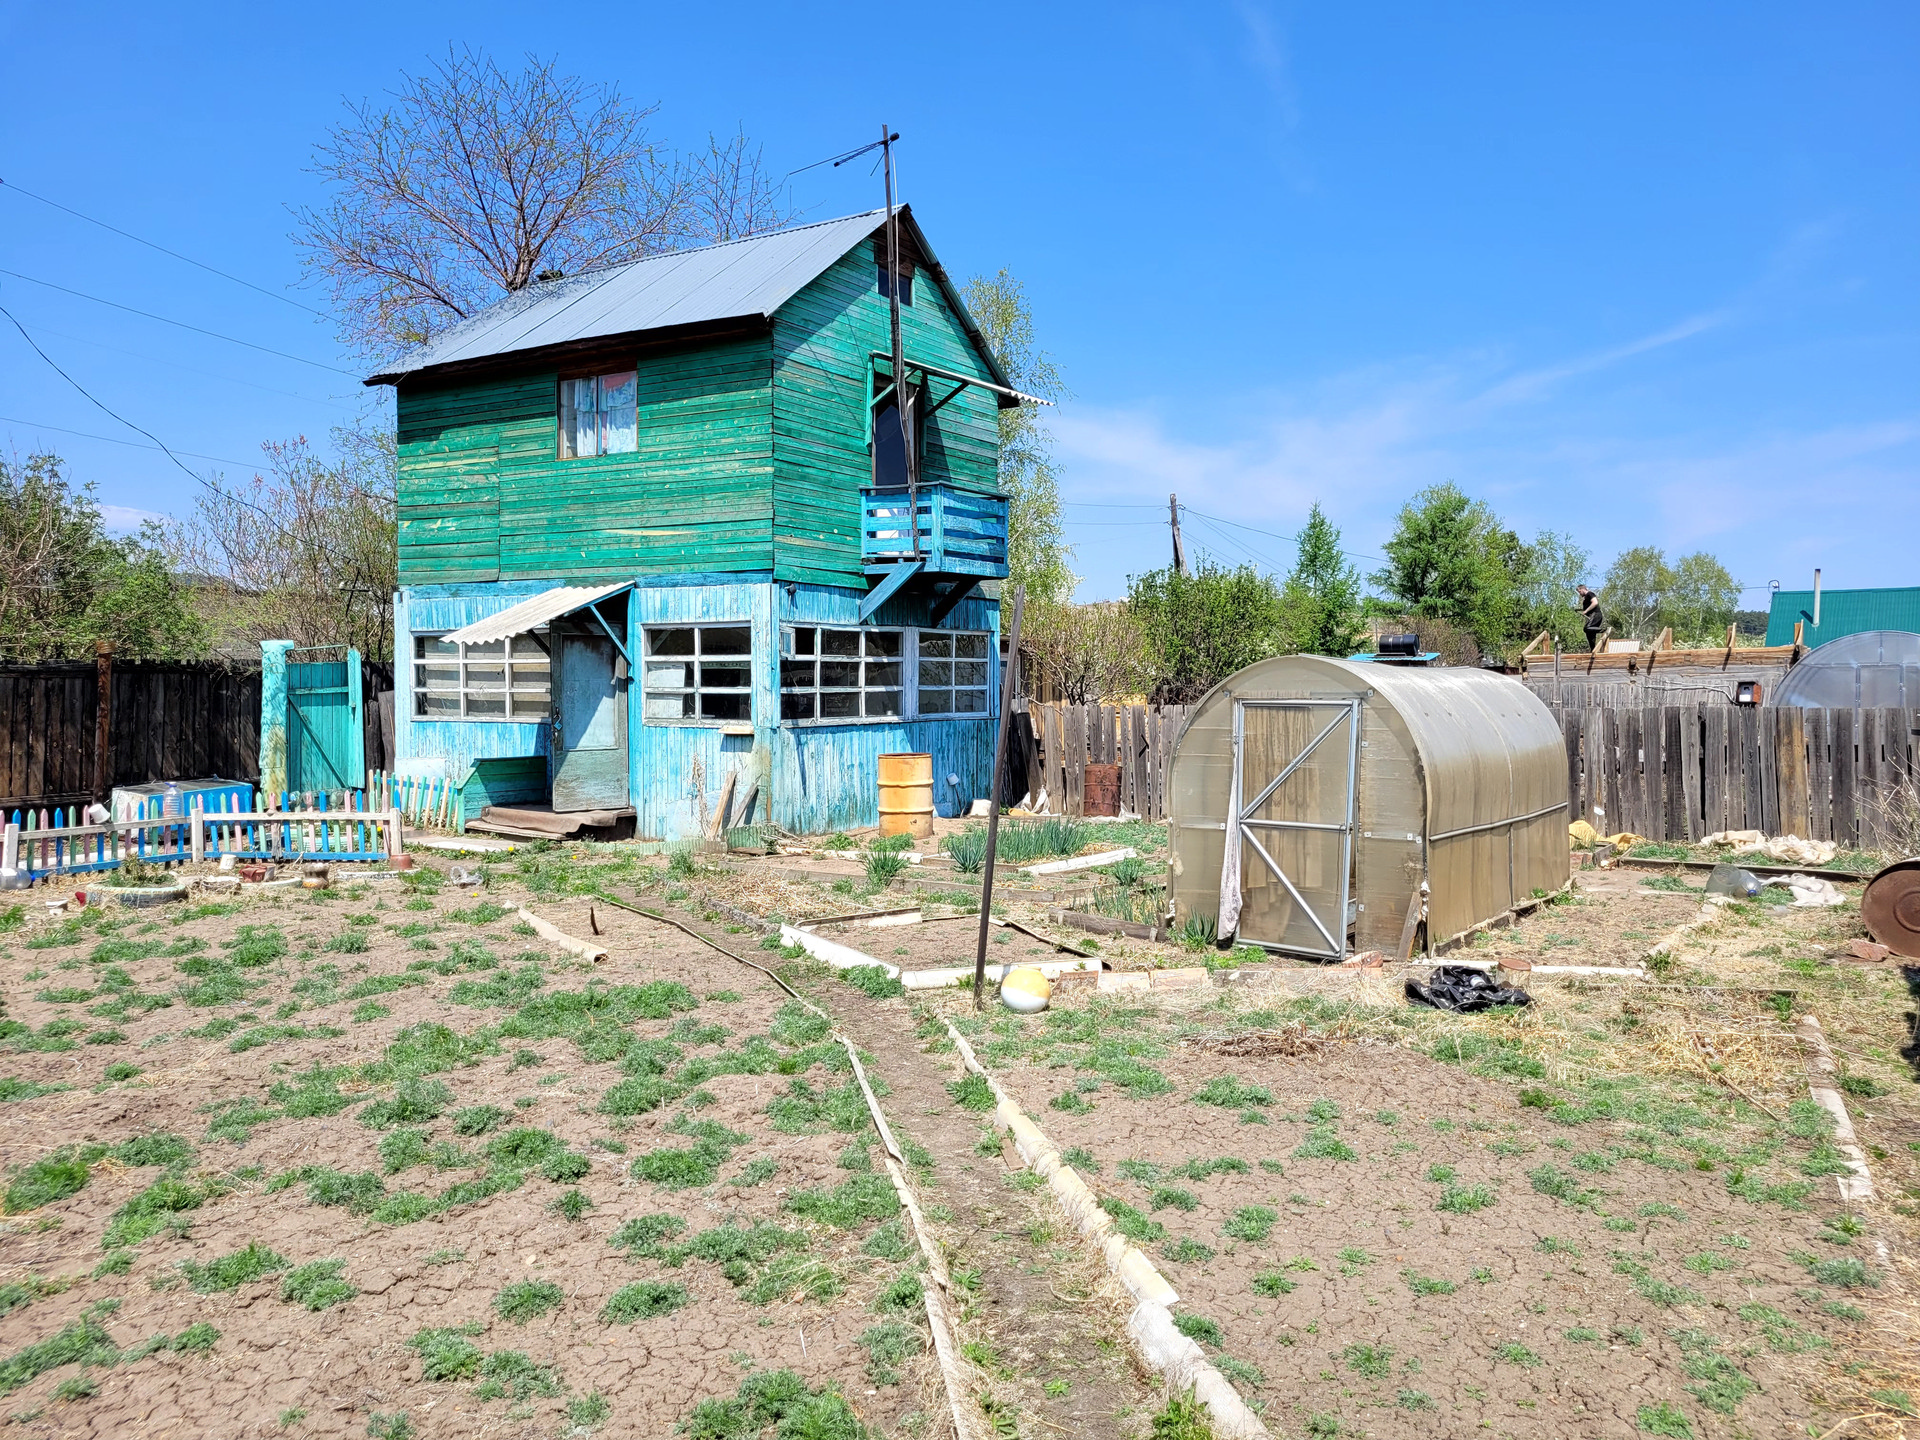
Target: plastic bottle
(170, 805)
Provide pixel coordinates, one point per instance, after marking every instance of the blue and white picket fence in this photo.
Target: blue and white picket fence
(41, 844)
(425, 800)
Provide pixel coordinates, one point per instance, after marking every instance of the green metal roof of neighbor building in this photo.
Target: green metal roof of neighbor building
(1842, 612)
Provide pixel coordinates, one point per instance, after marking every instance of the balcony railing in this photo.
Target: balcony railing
(960, 532)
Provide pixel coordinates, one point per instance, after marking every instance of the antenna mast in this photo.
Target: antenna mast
(902, 392)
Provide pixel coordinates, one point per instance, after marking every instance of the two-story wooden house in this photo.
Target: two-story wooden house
(654, 533)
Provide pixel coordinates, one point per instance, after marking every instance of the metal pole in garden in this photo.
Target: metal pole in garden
(1007, 682)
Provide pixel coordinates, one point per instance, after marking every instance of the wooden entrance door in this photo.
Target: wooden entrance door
(589, 722)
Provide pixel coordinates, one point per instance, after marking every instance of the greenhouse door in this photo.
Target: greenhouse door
(1294, 794)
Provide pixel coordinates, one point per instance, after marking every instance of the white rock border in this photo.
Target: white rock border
(1161, 1345)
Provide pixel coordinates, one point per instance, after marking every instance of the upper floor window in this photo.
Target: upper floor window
(498, 680)
(599, 415)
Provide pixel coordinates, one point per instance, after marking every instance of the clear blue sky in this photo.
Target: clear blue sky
(1643, 272)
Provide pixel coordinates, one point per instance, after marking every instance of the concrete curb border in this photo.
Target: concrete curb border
(1161, 1345)
(1821, 1069)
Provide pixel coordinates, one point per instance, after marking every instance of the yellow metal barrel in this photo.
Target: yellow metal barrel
(906, 795)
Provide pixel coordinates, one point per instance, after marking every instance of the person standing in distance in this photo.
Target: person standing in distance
(1591, 619)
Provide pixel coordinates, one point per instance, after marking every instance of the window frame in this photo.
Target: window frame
(910, 708)
(563, 410)
(953, 688)
(507, 660)
(648, 656)
(903, 658)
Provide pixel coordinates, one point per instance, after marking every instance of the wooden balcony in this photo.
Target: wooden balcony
(962, 538)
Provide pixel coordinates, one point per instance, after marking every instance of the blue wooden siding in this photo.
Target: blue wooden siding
(813, 778)
(449, 747)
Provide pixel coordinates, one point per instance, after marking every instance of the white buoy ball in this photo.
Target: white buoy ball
(1025, 990)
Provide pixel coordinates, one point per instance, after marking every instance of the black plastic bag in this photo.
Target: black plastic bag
(1461, 988)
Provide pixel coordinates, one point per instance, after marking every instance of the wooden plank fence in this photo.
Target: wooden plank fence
(1681, 772)
(1062, 740)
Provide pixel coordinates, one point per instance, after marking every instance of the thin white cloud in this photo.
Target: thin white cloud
(125, 519)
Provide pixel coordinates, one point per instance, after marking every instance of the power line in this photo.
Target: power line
(188, 259)
(113, 440)
(331, 402)
(149, 315)
(115, 414)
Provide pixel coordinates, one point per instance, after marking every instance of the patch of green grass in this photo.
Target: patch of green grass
(526, 1300)
(1842, 1270)
(1512, 1352)
(1414, 1400)
(646, 1236)
(645, 1300)
(1199, 1327)
(971, 1092)
(1663, 1419)
(1272, 1284)
(1553, 1181)
(447, 1354)
(1187, 1251)
(1227, 1092)
(1722, 1384)
(46, 1181)
(1165, 1196)
(1371, 1362)
(888, 1344)
(1131, 1223)
(778, 1401)
(1465, 1199)
(1251, 1222)
(230, 1272)
(151, 1210)
(1323, 1142)
(1183, 1417)
(855, 1201)
(414, 1101)
(318, 1285)
(903, 1292)
(1426, 1284)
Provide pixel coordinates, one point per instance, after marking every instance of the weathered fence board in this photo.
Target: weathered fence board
(1681, 772)
(1137, 738)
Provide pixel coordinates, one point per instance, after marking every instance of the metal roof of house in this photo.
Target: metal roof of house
(1842, 612)
(533, 612)
(734, 280)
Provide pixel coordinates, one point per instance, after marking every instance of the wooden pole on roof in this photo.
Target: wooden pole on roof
(902, 394)
(1008, 683)
(1179, 550)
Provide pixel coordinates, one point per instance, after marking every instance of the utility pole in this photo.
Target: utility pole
(1179, 551)
(902, 393)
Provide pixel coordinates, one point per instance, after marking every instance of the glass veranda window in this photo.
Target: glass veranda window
(699, 672)
(828, 674)
(599, 415)
(498, 680)
(953, 672)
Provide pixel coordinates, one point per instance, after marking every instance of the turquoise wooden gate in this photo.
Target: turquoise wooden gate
(311, 721)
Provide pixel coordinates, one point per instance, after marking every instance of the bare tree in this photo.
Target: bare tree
(304, 552)
(473, 182)
(1085, 654)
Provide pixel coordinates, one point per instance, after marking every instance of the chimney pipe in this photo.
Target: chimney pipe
(1816, 597)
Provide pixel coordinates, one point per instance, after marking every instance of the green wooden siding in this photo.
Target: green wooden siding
(751, 455)
(821, 342)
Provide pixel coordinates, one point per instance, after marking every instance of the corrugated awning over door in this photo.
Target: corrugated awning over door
(535, 611)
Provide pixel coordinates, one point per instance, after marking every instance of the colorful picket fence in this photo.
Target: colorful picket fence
(40, 844)
(427, 800)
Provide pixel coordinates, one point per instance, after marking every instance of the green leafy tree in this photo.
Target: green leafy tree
(1449, 557)
(1552, 570)
(1038, 556)
(1635, 593)
(1198, 628)
(1322, 594)
(1702, 599)
(65, 582)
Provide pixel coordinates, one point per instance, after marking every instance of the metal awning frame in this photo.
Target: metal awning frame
(535, 614)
